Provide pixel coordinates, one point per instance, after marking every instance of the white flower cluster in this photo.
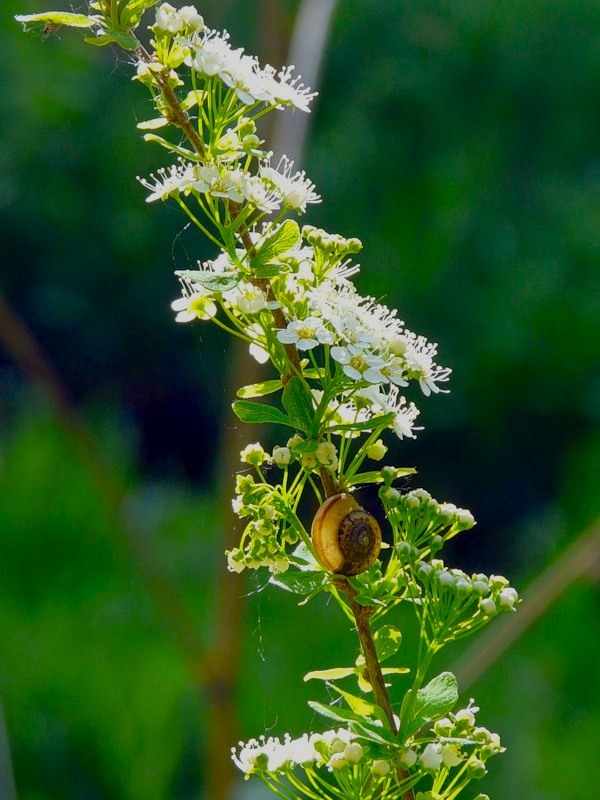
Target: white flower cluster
(420, 523)
(263, 542)
(334, 749)
(368, 347)
(267, 192)
(210, 54)
(459, 741)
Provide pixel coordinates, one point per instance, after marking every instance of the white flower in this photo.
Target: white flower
(419, 360)
(168, 18)
(219, 182)
(404, 421)
(254, 455)
(167, 181)
(326, 454)
(198, 305)
(280, 89)
(295, 191)
(249, 299)
(450, 755)
(358, 364)
(260, 194)
(431, 757)
(306, 333)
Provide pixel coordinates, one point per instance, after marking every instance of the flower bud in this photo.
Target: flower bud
(463, 587)
(391, 495)
(337, 761)
(436, 543)
(381, 767)
(488, 606)
(508, 598)
(412, 501)
(353, 752)
(281, 456)
(398, 345)
(408, 758)
(476, 768)
(431, 757)
(377, 450)
(480, 588)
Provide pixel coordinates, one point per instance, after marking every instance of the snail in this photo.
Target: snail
(346, 538)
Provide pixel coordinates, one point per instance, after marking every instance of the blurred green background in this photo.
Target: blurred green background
(459, 141)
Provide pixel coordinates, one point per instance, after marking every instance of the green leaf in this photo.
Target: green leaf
(259, 389)
(357, 704)
(284, 238)
(387, 641)
(363, 727)
(173, 148)
(99, 41)
(297, 401)
(366, 600)
(259, 413)
(334, 674)
(306, 447)
(368, 425)
(210, 280)
(153, 124)
(375, 476)
(299, 582)
(305, 560)
(57, 18)
(433, 701)
(125, 40)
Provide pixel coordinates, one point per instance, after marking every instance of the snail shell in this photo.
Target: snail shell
(346, 538)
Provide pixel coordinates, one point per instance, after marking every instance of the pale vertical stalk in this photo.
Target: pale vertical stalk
(222, 727)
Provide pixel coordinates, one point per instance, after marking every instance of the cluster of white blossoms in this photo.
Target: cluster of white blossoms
(370, 352)
(455, 742)
(334, 749)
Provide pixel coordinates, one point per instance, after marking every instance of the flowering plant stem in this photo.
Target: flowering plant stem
(340, 361)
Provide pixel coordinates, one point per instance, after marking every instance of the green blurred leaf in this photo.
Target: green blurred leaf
(297, 401)
(387, 641)
(334, 674)
(299, 582)
(284, 238)
(224, 282)
(259, 413)
(259, 389)
(433, 701)
(59, 18)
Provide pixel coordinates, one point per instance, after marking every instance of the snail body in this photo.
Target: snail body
(346, 538)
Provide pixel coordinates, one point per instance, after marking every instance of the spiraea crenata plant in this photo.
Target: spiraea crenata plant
(345, 372)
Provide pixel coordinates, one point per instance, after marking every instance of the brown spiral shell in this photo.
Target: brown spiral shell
(346, 538)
